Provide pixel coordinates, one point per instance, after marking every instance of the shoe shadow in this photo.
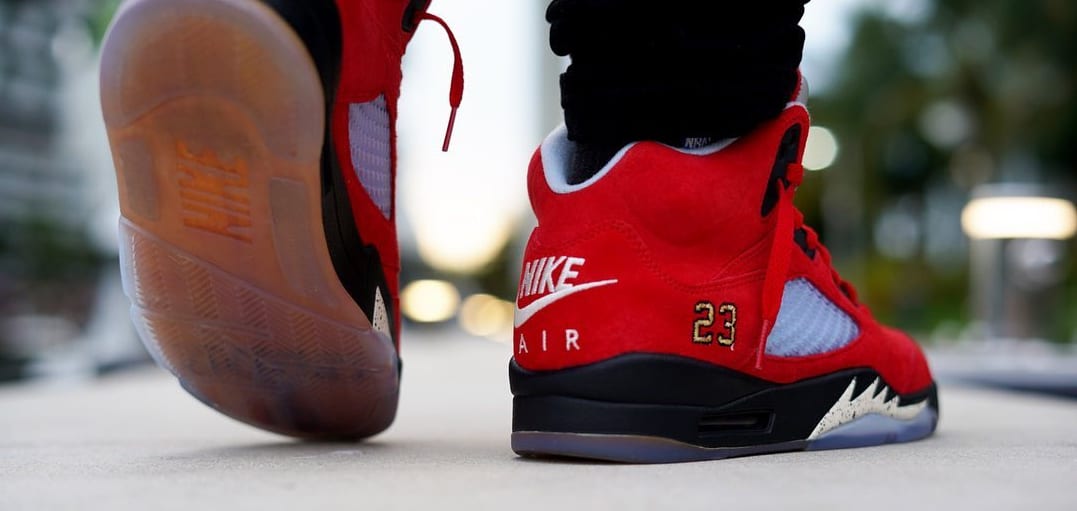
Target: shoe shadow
(295, 449)
(266, 455)
(566, 460)
(352, 456)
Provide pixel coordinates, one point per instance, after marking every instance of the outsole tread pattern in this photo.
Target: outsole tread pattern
(216, 115)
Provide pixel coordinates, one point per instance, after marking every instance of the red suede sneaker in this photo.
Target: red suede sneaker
(254, 144)
(674, 307)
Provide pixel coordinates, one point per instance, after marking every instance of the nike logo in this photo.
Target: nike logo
(524, 314)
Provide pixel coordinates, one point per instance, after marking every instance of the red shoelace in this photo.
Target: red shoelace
(790, 220)
(456, 87)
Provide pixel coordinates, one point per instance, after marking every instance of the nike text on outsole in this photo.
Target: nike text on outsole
(216, 117)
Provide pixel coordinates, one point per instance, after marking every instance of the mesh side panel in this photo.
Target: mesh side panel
(809, 323)
(368, 131)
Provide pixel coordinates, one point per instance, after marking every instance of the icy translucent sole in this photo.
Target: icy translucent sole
(866, 431)
(216, 118)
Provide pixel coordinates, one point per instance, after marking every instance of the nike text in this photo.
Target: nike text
(539, 279)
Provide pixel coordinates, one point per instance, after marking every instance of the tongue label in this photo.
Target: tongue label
(697, 142)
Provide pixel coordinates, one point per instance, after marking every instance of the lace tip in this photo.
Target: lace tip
(763, 335)
(448, 131)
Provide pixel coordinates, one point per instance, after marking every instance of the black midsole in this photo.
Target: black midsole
(645, 378)
(682, 399)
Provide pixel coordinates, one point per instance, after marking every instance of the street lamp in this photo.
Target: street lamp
(1019, 248)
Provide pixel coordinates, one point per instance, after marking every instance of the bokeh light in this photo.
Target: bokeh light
(1019, 217)
(429, 301)
(822, 148)
(487, 316)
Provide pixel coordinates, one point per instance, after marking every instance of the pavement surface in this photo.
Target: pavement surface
(137, 441)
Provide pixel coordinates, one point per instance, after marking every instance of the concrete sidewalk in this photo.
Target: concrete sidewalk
(138, 441)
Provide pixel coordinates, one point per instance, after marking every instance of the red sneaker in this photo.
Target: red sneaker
(674, 307)
(254, 144)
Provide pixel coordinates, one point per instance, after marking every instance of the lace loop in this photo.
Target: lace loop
(789, 220)
(781, 252)
(456, 87)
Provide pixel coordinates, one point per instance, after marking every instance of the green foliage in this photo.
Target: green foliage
(37, 250)
(100, 16)
(973, 92)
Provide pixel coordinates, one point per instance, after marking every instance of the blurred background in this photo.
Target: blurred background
(941, 155)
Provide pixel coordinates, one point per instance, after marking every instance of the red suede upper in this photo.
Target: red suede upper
(374, 45)
(677, 230)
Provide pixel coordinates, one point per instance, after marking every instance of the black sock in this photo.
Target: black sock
(674, 71)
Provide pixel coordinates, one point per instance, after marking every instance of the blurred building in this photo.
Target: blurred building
(36, 180)
(54, 178)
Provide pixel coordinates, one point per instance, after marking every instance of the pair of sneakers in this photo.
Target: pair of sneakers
(673, 307)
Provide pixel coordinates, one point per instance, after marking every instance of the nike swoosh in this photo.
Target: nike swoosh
(524, 314)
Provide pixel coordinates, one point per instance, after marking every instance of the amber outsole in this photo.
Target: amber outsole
(215, 115)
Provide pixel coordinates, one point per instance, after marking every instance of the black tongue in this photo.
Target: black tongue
(588, 159)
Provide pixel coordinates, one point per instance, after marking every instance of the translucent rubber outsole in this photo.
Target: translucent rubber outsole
(866, 431)
(216, 118)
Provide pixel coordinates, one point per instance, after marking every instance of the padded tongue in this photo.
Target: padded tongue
(801, 94)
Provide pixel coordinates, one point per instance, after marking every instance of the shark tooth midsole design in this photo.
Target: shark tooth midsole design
(875, 399)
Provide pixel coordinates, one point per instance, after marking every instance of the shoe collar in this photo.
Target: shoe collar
(557, 150)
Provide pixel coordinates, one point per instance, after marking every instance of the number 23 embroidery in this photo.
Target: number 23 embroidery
(704, 330)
